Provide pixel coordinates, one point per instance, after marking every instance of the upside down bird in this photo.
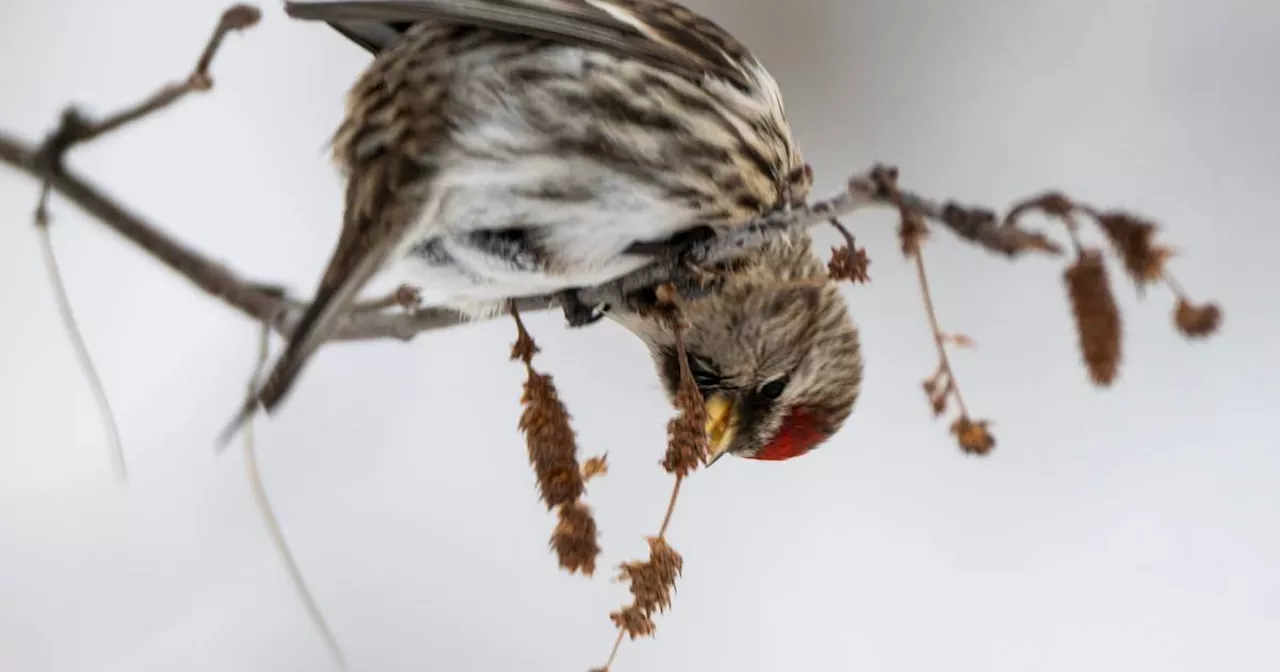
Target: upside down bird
(497, 149)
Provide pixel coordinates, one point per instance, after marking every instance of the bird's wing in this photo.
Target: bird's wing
(658, 31)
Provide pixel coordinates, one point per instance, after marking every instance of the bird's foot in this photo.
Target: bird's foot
(695, 282)
(690, 279)
(686, 283)
(576, 311)
(678, 250)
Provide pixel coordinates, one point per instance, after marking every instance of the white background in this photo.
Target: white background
(1133, 529)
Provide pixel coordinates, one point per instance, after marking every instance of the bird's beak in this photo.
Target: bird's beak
(722, 425)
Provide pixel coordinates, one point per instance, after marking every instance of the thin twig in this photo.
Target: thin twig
(680, 461)
(254, 475)
(671, 507)
(75, 129)
(939, 338)
(63, 301)
(261, 301)
(613, 653)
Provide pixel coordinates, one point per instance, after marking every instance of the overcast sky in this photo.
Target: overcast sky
(1131, 529)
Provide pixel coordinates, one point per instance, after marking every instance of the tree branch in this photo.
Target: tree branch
(268, 303)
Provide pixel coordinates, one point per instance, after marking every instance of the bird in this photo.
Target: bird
(499, 149)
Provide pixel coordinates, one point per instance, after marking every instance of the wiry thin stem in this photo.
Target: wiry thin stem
(1174, 286)
(613, 653)
(254, 476)
(671, 507)
(76, 130)
(684, 462)
(939, 338)
(67, 313)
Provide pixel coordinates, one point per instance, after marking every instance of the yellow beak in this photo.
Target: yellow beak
(722, 426)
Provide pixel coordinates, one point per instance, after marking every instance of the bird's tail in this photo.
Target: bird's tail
(315, 327)
(375, 220)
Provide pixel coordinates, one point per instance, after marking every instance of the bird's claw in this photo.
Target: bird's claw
(694, 282)
(677, 250)
(687, 282)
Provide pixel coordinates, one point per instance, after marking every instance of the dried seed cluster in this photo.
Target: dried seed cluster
(686, 432)
(553, 453)
(974, 437)
(1093, 305)
(941, 388)
(551, 441)
(1133, 238)
(1097, 318)
(1096, 315)
(653, 581)
(1196, 321)
(848, 262)
(574, 539)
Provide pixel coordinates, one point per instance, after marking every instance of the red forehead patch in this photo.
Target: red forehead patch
(799, 433)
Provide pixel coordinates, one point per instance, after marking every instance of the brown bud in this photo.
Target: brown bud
(575, 539)
(911, 232)
(930, 386)
(1055, 203)
(1051, 203)
(1197, 321)
(848, 264)
(940, 394)
(1096, 315)
(239, 17)
(1133, 239)
(974, 437)
(524, 348)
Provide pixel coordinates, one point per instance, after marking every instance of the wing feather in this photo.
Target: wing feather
(658, 31)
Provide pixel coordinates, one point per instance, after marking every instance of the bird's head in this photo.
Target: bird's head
(775, 354)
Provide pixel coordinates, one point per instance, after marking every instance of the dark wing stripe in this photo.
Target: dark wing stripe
(691, 52)
(373, 36)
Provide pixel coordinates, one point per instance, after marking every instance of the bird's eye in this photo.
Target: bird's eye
(773, 389)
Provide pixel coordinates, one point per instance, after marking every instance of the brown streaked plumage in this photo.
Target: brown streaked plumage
(504, 148)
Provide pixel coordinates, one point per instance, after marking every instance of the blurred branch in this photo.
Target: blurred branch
(62, 301)
(76, 129)
(253, 473)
